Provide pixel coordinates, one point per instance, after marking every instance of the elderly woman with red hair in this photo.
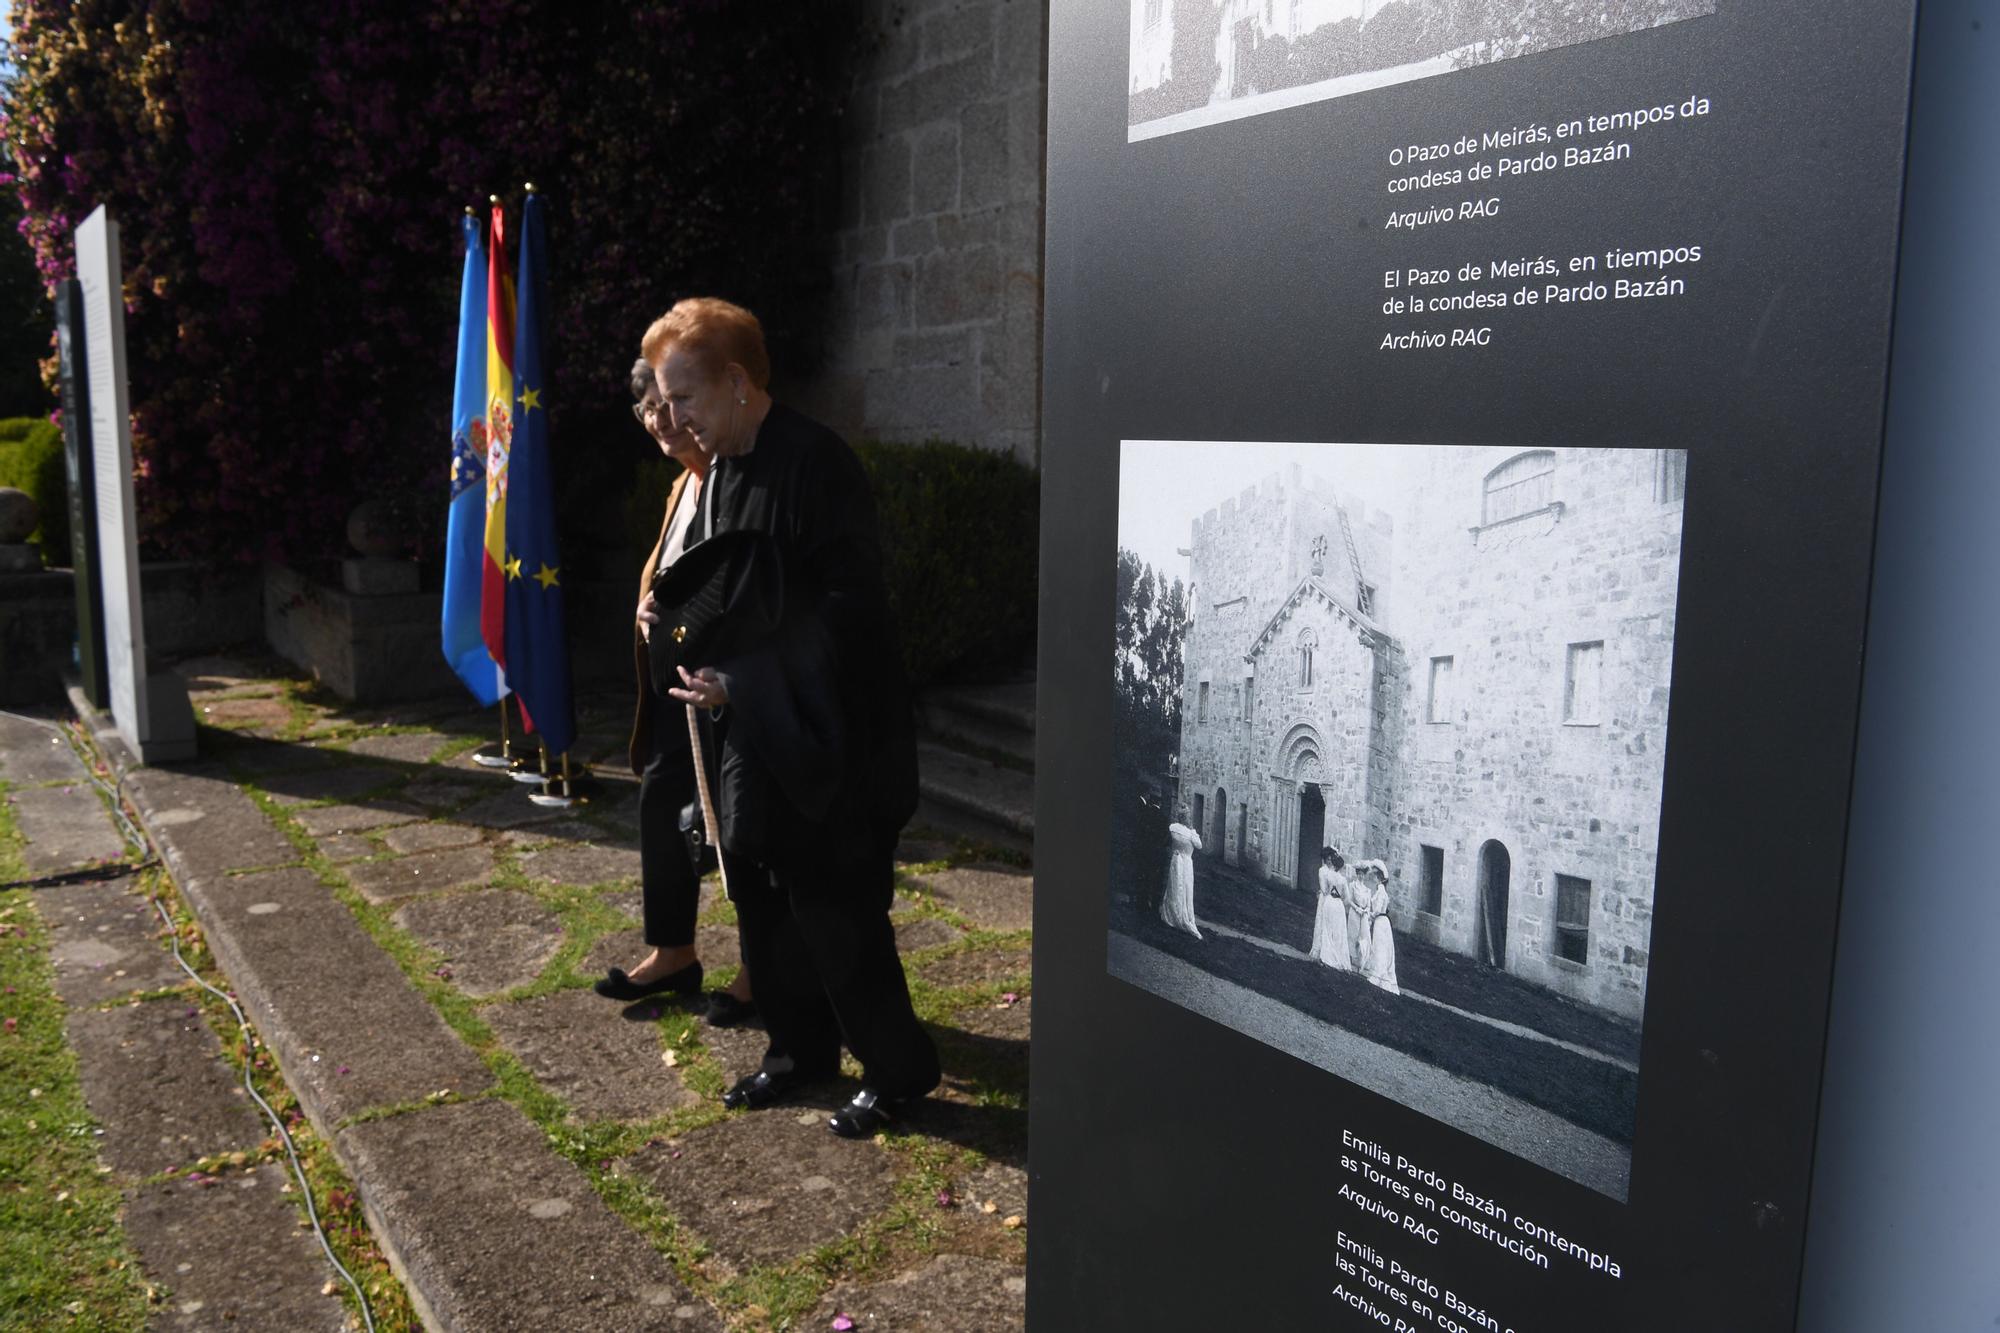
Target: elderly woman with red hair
(810, 739)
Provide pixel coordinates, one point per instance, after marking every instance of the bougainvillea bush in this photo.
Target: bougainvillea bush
(288, 180)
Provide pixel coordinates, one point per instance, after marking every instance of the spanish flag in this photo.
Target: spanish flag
(497, 567)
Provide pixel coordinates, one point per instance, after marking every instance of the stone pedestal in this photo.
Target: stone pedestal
(19, 558)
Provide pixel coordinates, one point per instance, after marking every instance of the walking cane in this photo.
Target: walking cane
(711, 828)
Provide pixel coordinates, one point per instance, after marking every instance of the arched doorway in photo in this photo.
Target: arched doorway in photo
(1494, 868)
(1218, 845)
(1312, 833)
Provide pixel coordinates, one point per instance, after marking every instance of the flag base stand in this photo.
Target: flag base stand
(492, 756)
(565, 790)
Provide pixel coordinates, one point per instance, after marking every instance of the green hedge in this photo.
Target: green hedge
(959, 534)
(31, 460)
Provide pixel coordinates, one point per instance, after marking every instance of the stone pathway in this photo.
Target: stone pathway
(226, 1245)
(415, 940)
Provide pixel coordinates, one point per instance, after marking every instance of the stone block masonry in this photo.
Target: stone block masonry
(934, 330)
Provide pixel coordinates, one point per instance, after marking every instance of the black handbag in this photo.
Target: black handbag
(724, 597)
(700, 850)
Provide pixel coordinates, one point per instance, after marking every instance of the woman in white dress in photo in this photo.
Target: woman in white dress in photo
(1177, 907)
(1329, 941)
(1381, 965)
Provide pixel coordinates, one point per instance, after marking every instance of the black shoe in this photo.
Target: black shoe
(761, 1089)
(726, 1011)
(615, 985)
(866, 1116)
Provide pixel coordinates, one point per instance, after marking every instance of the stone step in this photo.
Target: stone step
(976, 734)
(977, 791)
(1008, 703)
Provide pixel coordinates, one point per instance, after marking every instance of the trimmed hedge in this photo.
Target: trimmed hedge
(959, 541)
(31, 460)
(959, 533)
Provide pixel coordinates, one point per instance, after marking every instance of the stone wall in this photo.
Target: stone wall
(1600, 565)
(935, 326)
(189, 608)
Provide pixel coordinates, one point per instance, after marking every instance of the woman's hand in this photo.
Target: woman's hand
(703, 688)
(648, 615)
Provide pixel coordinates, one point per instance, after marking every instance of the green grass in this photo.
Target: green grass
(64, 1260)
(771, 1297)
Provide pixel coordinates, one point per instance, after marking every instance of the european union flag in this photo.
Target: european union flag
(465, 525)
(537, 635)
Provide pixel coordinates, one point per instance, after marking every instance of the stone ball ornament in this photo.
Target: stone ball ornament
(19, 515)
(375, 529)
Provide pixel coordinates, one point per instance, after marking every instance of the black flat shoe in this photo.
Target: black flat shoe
(761, 1089)
(615, 985)
(726, 1011)
(863, 1118)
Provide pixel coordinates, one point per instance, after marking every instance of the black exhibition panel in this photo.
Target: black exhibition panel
(1509, 381)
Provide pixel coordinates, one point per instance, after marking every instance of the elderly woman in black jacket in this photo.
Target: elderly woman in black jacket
(813, 745)
(670, 891)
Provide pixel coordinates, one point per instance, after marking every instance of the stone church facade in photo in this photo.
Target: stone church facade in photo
(1474, 691)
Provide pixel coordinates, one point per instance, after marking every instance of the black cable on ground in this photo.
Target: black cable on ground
(137, 839)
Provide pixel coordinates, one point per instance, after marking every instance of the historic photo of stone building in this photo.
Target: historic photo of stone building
(1456, 661)
(1199, 62)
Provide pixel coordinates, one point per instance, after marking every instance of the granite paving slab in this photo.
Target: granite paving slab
(274, 762)
(979, 967)
(31, 753)
(952, 1293)
(204, 824)
(761, 1187)
(716, 946)
(922, 932)
(406, 747)
(1001, 1184)
(343, 847)
(154, 1077)
(739, 1051)
(327, 819)
(583, 1048)
(509, 807)
(581, 863)
(230, 1255)
(995, 897)
(440, 792)
(567, 828)
(917, 850)
(494, 1232)
(262, 714)
(429, 837)
(214, 672)
(492, 940)
(348, 1028)
(64, 827)
(404, 876)
(102, 941)
(341, 781)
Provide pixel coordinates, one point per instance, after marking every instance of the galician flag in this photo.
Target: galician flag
(464, 528)
(537, 647)
(495, 568)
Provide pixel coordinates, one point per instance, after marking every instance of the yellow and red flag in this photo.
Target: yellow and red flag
(495, 568)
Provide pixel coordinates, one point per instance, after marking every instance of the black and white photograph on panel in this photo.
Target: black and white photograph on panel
(1200, 62)
(1389, 740)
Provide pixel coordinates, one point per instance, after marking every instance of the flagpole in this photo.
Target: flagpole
(487, 756)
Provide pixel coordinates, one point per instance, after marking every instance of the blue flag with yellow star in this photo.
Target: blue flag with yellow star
(537, 636)
(465, 527)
